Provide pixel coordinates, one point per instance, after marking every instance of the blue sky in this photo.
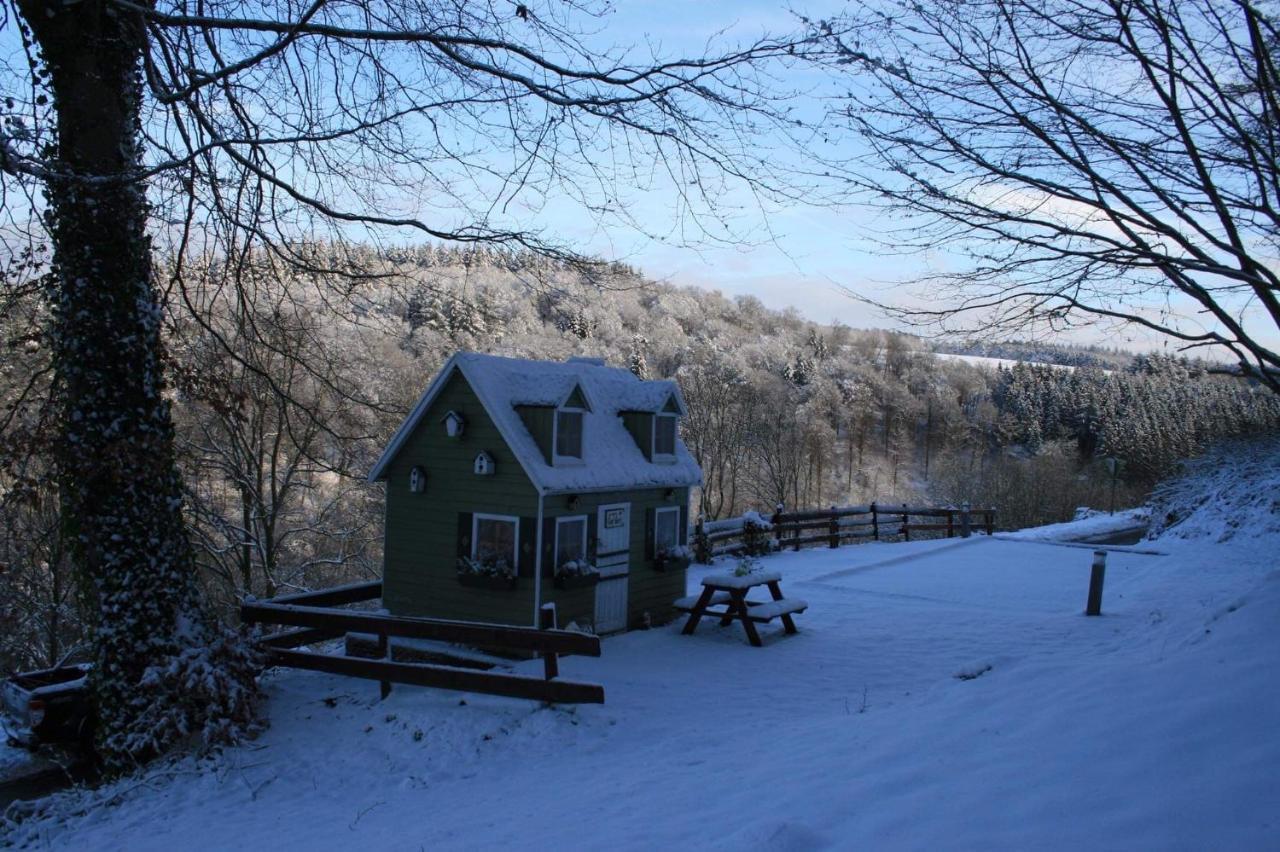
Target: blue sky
(790, 255)
(800, 256)
(794, 255)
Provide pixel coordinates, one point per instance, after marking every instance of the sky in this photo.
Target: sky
(796, 254)
(804, 256)
(800, 256)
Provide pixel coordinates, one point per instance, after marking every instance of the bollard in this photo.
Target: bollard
(965, 521)
(1099, 573)
(547, 621)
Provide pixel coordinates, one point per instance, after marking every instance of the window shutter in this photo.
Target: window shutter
(548, 546)
(683, 534)
(648, 533)
(526, 560)
(591, 538)
(464, 534)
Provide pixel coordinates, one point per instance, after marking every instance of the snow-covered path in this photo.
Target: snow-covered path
(939, 695)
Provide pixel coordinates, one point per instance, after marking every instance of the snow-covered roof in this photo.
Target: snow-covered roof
(610, 457)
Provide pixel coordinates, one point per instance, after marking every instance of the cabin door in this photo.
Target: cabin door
(613, 555)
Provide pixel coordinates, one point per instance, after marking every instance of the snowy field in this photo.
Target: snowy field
(988, 363)
(945, 694)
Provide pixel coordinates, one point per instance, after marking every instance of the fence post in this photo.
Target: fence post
(835, 528)
(775, 520)
(701, 548)
(875, 523)
(384, 653)
(951, 523)
(990, 516)
(966, 520)
(906, 530)
(547, 621)
(1096, 578)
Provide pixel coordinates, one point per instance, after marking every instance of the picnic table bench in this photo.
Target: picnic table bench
(728, 592)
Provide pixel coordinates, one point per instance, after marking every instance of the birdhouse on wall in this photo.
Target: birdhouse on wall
(484, 464)
(417, 480)
(454, 424)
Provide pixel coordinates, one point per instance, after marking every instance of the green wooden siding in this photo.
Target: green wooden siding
(640, 425)
(422, 530)
(576, 399)
(648, 590)
(420, 573)
(540, 421)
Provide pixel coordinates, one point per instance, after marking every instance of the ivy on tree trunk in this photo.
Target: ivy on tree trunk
(162, 672)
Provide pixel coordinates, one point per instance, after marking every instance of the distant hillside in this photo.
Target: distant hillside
(1039, 352)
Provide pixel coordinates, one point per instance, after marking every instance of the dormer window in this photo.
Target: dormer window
(664, 437)
(568, 435)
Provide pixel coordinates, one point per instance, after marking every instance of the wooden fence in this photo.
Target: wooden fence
(753, 533)
(312, 617)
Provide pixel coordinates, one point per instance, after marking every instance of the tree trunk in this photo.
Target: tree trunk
(928, 437)
(120, 490)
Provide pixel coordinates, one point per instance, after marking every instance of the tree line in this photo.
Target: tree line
(283, 395)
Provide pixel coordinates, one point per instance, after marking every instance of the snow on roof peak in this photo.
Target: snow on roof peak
(611, 458)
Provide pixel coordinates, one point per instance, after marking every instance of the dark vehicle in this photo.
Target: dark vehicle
(51, 705)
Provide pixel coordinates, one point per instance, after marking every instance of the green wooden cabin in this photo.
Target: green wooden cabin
(514, 483)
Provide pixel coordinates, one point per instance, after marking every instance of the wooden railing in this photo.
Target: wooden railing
(312, 617)
(754, 533)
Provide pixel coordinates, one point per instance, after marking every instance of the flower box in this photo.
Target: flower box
(575, 581)
(671, 562)
(486, 581)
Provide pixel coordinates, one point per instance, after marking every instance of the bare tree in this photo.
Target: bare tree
(1093, 160)
(276, 501)
(723, 409)
(218, 126)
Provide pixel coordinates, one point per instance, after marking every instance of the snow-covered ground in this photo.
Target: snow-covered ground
(942, 694)
(989, 363)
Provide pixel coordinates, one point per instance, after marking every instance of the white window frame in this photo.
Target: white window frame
(475, 535)
(657, 513)
(653, 438)
(586, 519)
(556, 458)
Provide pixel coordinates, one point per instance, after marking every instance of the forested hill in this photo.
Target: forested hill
(783, 409)
(287, 384)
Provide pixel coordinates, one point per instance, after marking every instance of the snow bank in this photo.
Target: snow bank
(13, 760)
(1087, 524)
(1234, 488)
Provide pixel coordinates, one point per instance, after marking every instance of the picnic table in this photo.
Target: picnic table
(730, 592)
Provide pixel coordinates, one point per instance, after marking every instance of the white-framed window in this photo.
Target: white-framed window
(666, 528)
(571, 539)
(567, 435)
(495, 541)
(664, 436)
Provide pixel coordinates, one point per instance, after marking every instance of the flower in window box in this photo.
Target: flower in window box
(575, 574)
(486, 574)
(675, 558)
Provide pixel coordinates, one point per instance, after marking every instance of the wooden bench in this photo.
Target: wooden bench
(686, 604)
(764, 612)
